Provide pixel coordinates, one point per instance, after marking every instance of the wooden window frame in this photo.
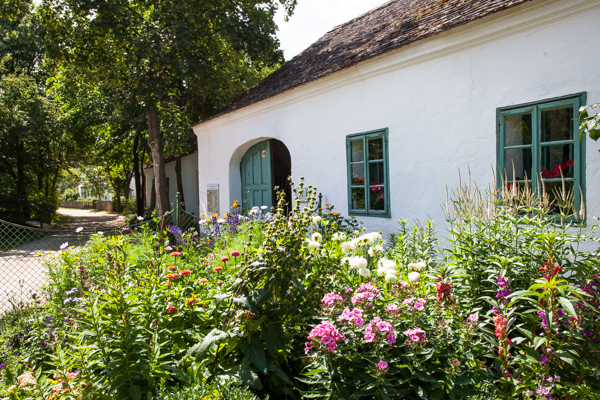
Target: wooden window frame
(382, 133)
(579, 155)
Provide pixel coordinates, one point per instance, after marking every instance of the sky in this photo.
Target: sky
(314, 18)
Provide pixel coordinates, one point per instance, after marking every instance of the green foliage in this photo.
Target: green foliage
(590, 122)
(307, 304)
(215, 390)
(70, 194)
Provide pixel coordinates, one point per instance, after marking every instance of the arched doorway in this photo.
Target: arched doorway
(265, 169)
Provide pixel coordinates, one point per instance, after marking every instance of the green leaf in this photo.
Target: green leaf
(214, 336)
(249, 377)
(567, 306)
(255, 352)
(279, 372)
(135, 392)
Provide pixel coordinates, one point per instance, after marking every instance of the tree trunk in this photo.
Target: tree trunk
(152, 198)
(158, 162)
(143, 173)
(55, 179)
(139, 201)
(118, 194)
(179, 180)
(22, 184)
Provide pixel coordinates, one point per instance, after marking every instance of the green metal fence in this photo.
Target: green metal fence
(26, 252)
(176, 217)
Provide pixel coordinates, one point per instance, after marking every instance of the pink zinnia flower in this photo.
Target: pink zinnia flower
(224, 259)
(185, 272)
(176, 253)
(235, 253)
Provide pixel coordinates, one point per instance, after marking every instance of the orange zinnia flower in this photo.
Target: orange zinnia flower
(218, 269)
(203, 280)
(185, 272)
(191, 301)
(172, 276)
(171, 268)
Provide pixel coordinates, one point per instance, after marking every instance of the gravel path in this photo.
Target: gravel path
(23, 270)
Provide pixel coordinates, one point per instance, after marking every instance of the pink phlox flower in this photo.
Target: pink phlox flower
(416, 335)
(362, 298)
(392, 309)
(355, 316)
(367, 287)
(472, 318)
(409, 301)
(326, 334)
(377, 329)
(331, 300)
(381, 365)
(419, 304)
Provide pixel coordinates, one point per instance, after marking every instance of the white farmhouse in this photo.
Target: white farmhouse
(383, 111)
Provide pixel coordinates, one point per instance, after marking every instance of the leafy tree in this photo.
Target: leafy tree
(33, 143)
(177, 60)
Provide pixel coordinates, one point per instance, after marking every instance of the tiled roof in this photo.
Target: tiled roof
(385, 28)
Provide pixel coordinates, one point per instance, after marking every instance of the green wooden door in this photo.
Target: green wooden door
(256, 176)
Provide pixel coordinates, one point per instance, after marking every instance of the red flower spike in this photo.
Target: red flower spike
(172, 310)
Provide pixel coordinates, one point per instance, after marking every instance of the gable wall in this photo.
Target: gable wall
(437, 97)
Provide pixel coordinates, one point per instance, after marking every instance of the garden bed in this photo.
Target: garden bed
(308, 304)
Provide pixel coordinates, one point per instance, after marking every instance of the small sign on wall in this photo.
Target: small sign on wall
(212, 198)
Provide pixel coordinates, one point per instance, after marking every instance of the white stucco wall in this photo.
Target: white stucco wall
(438, 98)
(189, 174)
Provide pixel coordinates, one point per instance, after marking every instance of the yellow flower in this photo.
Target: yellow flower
(101, 250)
(63, 252)
(71, 247)
(203, 214)
(53, 258)
(40, 254)
(215, 215)
(76, 258)
(328, 213)
(336, 213)
(327, 205)
(50, 252)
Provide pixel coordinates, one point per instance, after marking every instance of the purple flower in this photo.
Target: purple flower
(501, 281)
(544, 322)
(544, 360)
(177, 233)
(542, 391)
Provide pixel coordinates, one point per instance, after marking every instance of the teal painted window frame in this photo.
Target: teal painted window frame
(576, 100)
(365, 136)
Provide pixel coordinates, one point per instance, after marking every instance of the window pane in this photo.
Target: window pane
(357, 151)
(517, 129)
(556, 159)
(358, 198)
(557, 125)
(358, 174)
(376, 173)
(377, 197)
(521, 159)
(376, 149)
